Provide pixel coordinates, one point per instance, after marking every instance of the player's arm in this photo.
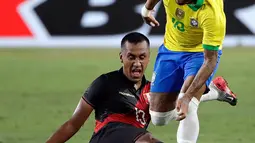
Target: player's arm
(90, 100)
(70, 127)
(214, 33)
(210, 61)
(147, 13)
(150, 4)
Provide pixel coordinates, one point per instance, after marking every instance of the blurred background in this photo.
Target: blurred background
(51, 50)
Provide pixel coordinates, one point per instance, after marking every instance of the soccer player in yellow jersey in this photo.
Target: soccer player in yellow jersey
(186, 62)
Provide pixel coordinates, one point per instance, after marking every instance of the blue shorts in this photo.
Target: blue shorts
(172, 68)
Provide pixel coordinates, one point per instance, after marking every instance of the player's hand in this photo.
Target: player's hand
(148, 17)
(182, 107)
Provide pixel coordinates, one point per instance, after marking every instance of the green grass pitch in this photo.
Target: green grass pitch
(40, 88)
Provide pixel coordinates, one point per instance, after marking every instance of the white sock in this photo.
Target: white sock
(188, 129)
(211, 95)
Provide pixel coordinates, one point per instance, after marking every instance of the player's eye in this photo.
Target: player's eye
(131, 57)
(142, 57)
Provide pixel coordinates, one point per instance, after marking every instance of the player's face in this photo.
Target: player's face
(183, 2)
(135, 59)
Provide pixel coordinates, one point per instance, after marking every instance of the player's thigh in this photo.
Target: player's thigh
(147, 138)
(191, 68)
(167, 80)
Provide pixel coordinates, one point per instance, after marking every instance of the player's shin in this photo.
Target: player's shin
(188, 129)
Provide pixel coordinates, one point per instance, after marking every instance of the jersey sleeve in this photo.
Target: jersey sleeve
(95, 92)
(213, 26)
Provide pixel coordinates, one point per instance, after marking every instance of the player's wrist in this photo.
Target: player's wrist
(145, 11)
(188, 97)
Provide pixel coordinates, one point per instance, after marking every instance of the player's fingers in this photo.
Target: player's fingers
(146, 20)
(178, 107)
(181, 117)
(180, 112)
(154, 21)
(185, 108)
(183, 113)
(151, 21)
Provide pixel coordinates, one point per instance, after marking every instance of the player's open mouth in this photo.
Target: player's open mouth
(136, 72)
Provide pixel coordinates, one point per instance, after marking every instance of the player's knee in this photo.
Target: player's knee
(162, 118)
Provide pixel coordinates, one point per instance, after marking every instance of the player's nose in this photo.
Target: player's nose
(137, 63)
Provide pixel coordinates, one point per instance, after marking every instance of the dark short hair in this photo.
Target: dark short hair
(134, 38)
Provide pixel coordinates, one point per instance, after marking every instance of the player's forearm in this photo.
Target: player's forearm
(203, 74)
(64, 133)
(150, 4)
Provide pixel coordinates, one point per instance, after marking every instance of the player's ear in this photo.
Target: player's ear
(121, 57)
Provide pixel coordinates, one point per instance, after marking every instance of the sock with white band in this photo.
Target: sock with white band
(211, 95)
(188, 129)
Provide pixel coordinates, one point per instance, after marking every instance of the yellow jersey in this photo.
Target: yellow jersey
(194, 27)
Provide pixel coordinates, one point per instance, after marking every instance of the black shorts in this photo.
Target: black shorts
(118, 133)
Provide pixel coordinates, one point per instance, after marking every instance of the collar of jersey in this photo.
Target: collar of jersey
(143, 80)
(196, 6)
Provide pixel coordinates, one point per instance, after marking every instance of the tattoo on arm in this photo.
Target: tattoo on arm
(204, 73)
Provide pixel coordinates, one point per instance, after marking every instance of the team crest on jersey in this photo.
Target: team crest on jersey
(193, 22)
(179, 13)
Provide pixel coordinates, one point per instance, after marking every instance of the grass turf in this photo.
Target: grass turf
(39, 90)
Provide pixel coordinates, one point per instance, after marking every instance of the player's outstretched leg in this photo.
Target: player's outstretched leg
(219, 90)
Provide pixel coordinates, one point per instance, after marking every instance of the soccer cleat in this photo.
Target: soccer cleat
(225, 94)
